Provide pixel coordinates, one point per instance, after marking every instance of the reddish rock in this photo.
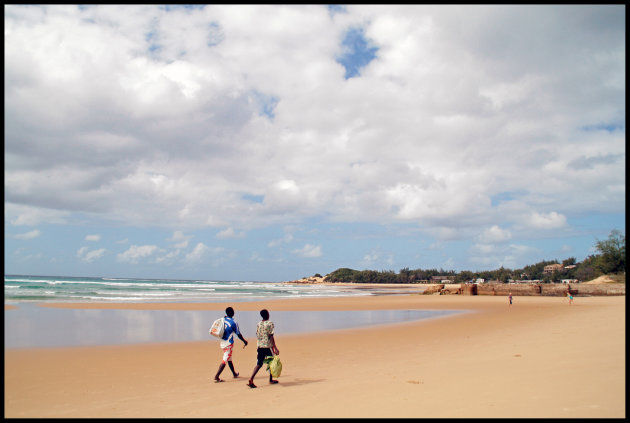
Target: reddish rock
(434, 289)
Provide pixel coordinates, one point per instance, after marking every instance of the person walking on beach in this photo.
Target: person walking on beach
(570, 297)
(266, 345)
(227, 343)
(510, 298)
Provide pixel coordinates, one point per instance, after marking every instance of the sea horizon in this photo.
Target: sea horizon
(31, 325)
(54, 289)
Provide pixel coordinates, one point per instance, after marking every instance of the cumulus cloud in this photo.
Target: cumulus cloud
(197, 253)
(495, 234)
(230, 233)
(180, 240)
(309, 251)
(212, 116)
(202, 253)
(88, 256)
(137, 252)
(507, 255)
(28, 235)
(376, 258)
(287, 238)
(550, 220)
(25, 215)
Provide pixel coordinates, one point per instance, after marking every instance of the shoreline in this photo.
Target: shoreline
(538, 358)
(601, 286)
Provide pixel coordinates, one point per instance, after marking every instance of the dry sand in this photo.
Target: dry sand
(540, 357)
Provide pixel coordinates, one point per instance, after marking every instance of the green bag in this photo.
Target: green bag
(274, 365)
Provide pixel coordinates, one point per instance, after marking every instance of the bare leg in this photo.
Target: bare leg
(232, 368)
(251, 379)
(221, 367)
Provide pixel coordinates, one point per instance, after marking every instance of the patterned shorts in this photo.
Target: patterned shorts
(227, 353)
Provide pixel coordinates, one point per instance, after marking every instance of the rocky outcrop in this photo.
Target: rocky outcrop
(549, 289)
(309, 280)
(584, 290)
(469, 289)
(451, 289)
(504, 289)
(433, 289)
(554, 289)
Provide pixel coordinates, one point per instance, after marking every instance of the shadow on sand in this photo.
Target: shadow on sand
(298, 382)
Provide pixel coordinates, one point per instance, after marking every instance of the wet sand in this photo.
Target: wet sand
(538, 358)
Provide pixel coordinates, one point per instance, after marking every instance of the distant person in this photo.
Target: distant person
(266, 346)
(510, 298)
(570, 297)
(227, 343)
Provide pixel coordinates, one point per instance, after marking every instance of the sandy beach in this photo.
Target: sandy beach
(541, 357)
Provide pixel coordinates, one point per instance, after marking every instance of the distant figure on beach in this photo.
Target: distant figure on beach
(570, 297)
(510, 298)
(227, 343)
(266, 345)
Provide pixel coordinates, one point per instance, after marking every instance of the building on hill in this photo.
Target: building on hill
(442, 279)
(553, 268)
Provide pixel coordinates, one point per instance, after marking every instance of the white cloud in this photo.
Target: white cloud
(550, 220)
(20, 215)
(137, 252)
(94, 255)
(287, 238)
(230, 233)
(197, 253)
(168, 257)
(81, 251)
(495, 234)
(376, 258)
(486, 118)
(180, 239)
(28, 235)
(214, 255)
(93, 238)
(309, 251)
(89, 256)
(494, 256)
(255, 257)
(149, 117)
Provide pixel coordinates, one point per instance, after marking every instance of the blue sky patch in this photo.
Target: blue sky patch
(265, 104)
(358, 52)
(584, 162)
(254, 198)
(333, 9)
(151, 38)
(215, 34)
(608, 127)
(188, 7)
(504, 197)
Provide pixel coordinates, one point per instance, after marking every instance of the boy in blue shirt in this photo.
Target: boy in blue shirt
(227, 343)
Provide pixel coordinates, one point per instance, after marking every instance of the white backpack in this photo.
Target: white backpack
(218, 328)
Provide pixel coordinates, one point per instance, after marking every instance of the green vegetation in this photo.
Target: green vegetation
(611, 260)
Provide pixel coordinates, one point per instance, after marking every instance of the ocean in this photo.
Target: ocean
(47, 289)
(30, 325)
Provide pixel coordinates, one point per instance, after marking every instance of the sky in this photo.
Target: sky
(274, 142)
